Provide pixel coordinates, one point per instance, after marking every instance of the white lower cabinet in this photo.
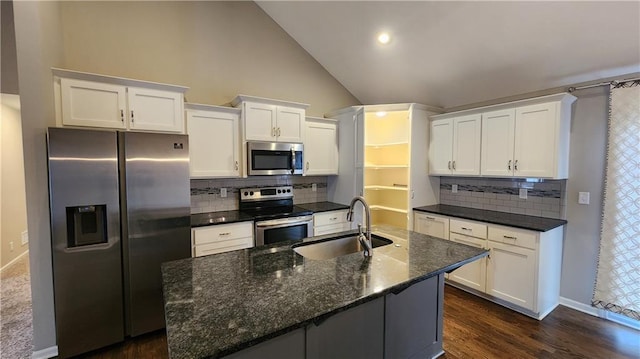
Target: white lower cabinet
(510, 274)
(522, 271)
(473, 275)
(330, 222)
(221, 238)
(431, 224)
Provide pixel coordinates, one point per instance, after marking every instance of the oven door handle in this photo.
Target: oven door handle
(284, 221)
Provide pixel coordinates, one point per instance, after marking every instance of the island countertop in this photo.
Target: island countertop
(219, 304)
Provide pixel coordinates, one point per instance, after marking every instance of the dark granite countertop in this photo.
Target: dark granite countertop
(219, 304)
(222, 217)
(323, 206)
(540, 224)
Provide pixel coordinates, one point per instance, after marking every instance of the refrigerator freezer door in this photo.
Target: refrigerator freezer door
(156, 220)
(85, 235)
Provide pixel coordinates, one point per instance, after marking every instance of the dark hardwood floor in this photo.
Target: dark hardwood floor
(476, 328)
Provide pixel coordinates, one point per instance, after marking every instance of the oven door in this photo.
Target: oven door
(284, 229)
(274, 158)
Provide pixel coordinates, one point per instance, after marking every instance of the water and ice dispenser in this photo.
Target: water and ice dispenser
(86, 225)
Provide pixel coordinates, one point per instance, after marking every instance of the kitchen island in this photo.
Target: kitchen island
(270, 300)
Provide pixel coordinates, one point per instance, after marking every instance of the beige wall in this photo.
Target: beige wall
(38, 47)
(218, 49)
(13, 214)
(9, 65)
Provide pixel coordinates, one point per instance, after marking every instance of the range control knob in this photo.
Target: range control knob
(289, 190)
(246, 193)
(251, 193)
(279, 191)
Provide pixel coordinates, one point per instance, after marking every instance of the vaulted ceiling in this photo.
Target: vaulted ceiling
(453, 53)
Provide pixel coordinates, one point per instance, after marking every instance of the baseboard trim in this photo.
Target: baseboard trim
(600, 313)
(45, 353)
(14, 260)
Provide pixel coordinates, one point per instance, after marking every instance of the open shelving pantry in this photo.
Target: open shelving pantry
(386, 166)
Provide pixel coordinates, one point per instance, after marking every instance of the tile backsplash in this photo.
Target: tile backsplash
(205, 193)
(545, 198)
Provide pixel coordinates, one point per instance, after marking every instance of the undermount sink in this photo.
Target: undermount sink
(337, 246)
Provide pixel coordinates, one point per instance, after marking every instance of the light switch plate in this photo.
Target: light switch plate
(314, 187)
(223, 192)
(584, 197)
(523, 193)
(454, 188)
(25, 238)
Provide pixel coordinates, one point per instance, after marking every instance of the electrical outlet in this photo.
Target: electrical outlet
(25, 237)
(314, 187)
(223, 192)
(11, 246)
(454, 188)
(584, 197)
(523, 193)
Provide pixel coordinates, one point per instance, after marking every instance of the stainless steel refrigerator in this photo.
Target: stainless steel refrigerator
(119, 204)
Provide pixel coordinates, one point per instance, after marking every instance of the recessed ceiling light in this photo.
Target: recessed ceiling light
(384, 38)
(381, 113)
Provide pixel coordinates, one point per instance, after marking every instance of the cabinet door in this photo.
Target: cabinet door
(466, 145)
(511, 274)
(155, 110)
(214, 149)
(536, 147)
(321, 148)
(290, 124)
(259, 121)
(441, 147)
(472, 275)
(432, 225)
(498, 131)
(93, 104)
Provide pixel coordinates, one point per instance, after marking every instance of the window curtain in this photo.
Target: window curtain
(617, 287)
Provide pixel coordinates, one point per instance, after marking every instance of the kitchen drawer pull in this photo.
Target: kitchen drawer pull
(333, 218)
(466, 229)
(430, 218)
(510, 237)
(225, 234)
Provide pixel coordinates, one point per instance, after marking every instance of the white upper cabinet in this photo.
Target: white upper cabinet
(214, 141)
(455, 146)
(528, 140)
(271, 120)
(321, 147)
(92, 100)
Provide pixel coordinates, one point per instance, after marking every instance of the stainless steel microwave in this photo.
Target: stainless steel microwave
(274, 158)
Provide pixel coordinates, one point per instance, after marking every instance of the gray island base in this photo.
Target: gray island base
(270, 302)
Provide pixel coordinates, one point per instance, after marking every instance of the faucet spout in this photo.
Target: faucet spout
(364, 238)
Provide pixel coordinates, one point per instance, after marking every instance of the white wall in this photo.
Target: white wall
(13, 212)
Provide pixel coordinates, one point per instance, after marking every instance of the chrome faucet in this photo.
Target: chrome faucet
(363, 238)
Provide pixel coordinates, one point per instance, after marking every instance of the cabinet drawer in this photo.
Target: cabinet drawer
(327, 218)
(468, 228)
(223, 246)
(329, 229)
(222, 232)
(513, 236)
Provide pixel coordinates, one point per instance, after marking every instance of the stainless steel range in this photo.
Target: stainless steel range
(277, 219)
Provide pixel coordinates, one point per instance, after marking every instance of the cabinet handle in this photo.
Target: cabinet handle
(278, 131)
(449, 165)
(430, 218)
(510, 237)
(273, 132)
(333, 219)
(225, 234)
(454, 165)
(236, 165)
(122, 116)
(515, 165)
(131, 116)
(509, 165)
(307, 165)
(466, 229)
